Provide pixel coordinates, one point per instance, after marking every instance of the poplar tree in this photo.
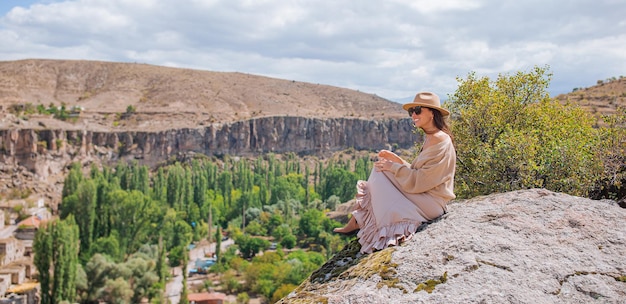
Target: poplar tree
(121, 172)
(102, 225)
(73, 178)
(85, 215)
(218, 244)
(188, 197)
(132, 216)
(143, 183)
(174, 186)
(225, 186)
(56, 257)
(159, 190)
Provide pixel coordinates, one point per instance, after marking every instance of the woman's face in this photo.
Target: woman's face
(424, 119)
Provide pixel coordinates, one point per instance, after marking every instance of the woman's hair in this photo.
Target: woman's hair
(440, 122)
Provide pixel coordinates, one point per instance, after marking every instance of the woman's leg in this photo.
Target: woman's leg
(351, 226)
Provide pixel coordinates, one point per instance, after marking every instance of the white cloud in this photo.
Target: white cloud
(428, 6)
(389, 48)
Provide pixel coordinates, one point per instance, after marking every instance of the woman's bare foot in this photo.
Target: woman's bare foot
(350, 228)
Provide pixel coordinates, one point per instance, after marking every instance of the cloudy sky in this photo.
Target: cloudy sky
(392, 48)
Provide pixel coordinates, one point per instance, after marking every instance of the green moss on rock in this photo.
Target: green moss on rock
(429, 285)
(340, 262)
(378, 263)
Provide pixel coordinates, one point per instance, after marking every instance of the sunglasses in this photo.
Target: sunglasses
(417, 110)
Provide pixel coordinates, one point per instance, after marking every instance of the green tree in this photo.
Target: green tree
(184, 294)
(133, 216)
(70, 184)
(282, 291)
(288, 187)
(288, 241)
(230, 282)
(333, 201)
(83, 201)
(98, 269)
(218, 244)
(274, 220)
(289, 208)
(250, 246)
(141, 177)
(261, 278)
(117, 291)
(311, 260)
(281, 232)
(509, 135)
(311, 223)
(339, 182)
(255, 228)
(56, 257)
(161, 264)
(612, 151)
(174, 192)
(225, 184)
(102, 224)
(243, 298)
(182, 236)
(109, 246)
(159, 190)
(142, 273)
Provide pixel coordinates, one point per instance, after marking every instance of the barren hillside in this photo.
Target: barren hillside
(168, 98)
(601, 99)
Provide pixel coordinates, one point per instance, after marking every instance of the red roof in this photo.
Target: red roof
(205, 296)
(32, 221)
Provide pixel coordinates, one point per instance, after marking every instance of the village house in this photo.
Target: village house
(15, 272)
(5, 283)
(27, 228)
(206, 298)
(16, 264)
(11, 250)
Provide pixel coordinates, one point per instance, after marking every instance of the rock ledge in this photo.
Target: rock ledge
(529, 246)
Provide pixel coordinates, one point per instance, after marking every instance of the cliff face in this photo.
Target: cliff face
(530, 246)
(47, 151)
(55, 112)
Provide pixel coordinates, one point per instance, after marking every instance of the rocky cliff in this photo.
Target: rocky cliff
(531, 246)
(46, 151)
(121, 111)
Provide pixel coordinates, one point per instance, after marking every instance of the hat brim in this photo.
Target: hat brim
(443, 111)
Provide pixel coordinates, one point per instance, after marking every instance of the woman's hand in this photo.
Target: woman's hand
(383, 164)
(385, 160)
(390, 156)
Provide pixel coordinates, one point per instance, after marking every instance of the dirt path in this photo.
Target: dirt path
(174, 287)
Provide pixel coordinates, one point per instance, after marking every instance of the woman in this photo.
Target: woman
(399, 196)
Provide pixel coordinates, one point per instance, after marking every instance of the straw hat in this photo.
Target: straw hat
(428, 100)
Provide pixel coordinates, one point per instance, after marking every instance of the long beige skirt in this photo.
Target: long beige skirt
(386, 216)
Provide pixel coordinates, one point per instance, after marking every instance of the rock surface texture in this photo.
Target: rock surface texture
(530, 246)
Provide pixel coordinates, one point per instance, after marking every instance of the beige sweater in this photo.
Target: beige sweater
(432, 172)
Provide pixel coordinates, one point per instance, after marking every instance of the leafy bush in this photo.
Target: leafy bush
(243, 298)
(282, 292)
(613, 155)
(230, 281)
(250, 246)
(289, 241)
(510, 135)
